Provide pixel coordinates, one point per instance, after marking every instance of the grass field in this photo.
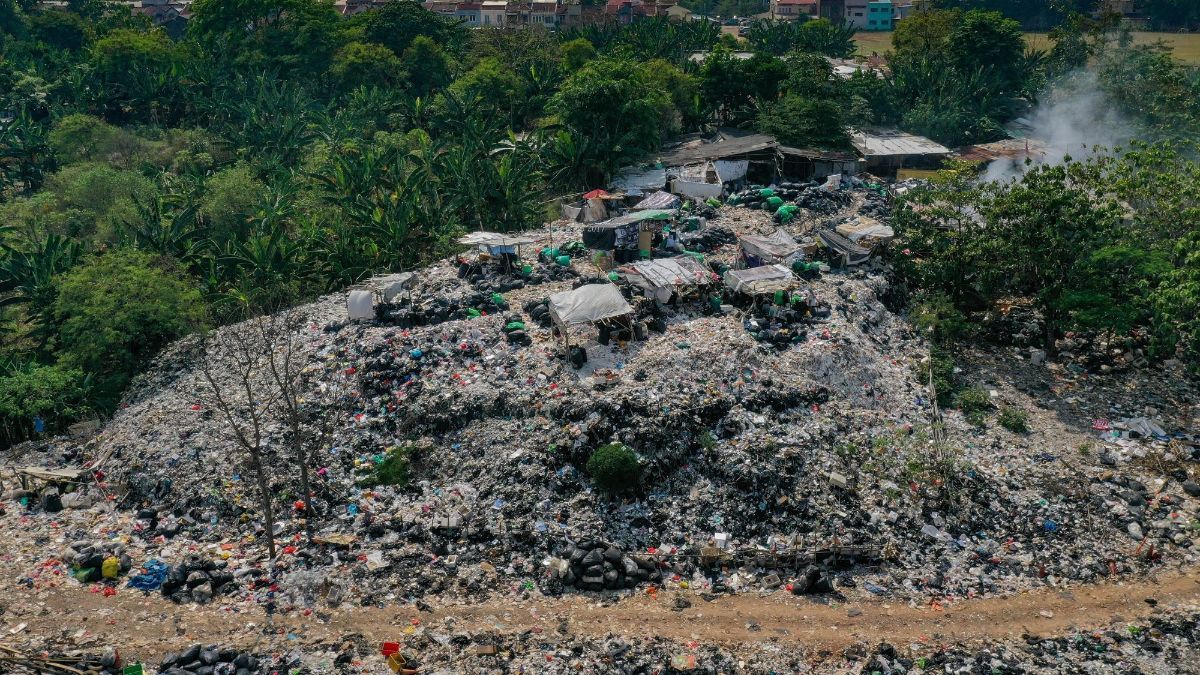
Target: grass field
(1186, 46)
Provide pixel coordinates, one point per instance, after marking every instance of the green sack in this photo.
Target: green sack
(514, 325)
(563, 260)
(473, 313)
(713, 202)
(766, 192)
(772, 203)
(497, 298)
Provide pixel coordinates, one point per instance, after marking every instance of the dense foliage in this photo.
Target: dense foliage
(1102, 245)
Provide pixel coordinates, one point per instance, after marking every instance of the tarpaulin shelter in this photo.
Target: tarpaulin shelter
(659, 200)
(593, 303)
(866, 231)
(588, 304)
(588, 211)
(849, 252)
(760, 280)
(663, 277)
(623, 232)
(496, 243)
(769, 250)
(505, 249)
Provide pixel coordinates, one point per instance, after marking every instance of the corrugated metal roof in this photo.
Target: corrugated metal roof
(894, 143)
(727, 145)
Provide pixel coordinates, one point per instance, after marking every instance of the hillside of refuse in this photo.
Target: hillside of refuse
(800, 455)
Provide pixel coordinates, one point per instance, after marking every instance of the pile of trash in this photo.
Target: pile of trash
(198, 579)
(94, 561)
(211, 660)
(777, 450)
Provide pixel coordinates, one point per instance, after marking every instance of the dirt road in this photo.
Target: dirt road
(147, 626)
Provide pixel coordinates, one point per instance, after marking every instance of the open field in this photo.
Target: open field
(1185, 45)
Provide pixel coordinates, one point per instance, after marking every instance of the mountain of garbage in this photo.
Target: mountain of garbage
(781, 446)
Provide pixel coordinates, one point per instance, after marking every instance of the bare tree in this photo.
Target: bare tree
(308, 427)
(244, 399)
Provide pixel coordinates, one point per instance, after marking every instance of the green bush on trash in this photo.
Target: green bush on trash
(614, 468)
(391, 468)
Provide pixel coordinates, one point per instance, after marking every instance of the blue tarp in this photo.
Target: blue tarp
(153, 577)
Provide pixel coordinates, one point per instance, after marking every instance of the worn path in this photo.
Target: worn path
(147, 626)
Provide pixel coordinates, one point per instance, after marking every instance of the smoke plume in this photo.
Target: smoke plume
(1074, 118)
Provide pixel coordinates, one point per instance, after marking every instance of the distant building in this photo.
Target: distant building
(791, 9)
(855, 13)
(880, 14)
(468, 13)
(493, 12)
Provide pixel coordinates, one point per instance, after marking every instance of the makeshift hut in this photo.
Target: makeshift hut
(778, 247)
(600, 304)
(624, 237)
(866, 231)
(665, 278)
(842, 250)
(503, 248)
(764, 280)
(591, 208)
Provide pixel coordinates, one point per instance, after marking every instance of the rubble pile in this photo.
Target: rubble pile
(490, 278)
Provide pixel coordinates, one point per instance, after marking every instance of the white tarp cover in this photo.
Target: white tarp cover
(360, 305)
(588, 304)
(636, 217)
(688, 188)
(866, 231)
(659, 200)
(760, 280)
(668, 272)
(772, 249)
(729, 170)
(494, 239)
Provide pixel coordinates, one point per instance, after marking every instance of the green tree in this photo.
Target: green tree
(610, 102)
(614, 468)
(294, 37)
(427, 66)
(397, 24)
(57, 395)
(60, 30)
(117, 310)
(804, 122)
(575, 53)
(231, 198)
(358, 64)
(140, 72)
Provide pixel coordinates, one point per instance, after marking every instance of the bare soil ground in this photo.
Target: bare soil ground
(147, 626)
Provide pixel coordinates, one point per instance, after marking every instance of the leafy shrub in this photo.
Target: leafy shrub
(1016, 421)
(56, 394)
(942, 365)
(614, 467)
(974, 403)
(391, 469)
(935, 315)
(115, 311)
